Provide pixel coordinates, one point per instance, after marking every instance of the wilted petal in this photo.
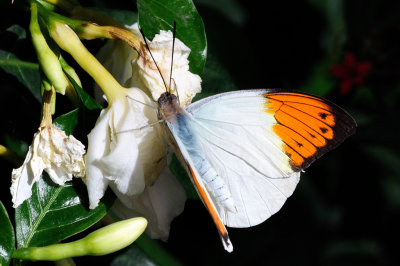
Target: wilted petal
(61, 156)
(146, 76)
(159, 204)
(23, 180)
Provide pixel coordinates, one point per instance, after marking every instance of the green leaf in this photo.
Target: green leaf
(7, 237)
(18, 146)
(361, 247)
(216, 79)
(26, 72)
(67, 122)
(155, 251)
(126, 17)
(132, 256)
(156, 15)
(335, 28)
(17, 30)
(391, 191)
(54, 213)
(231, 9)
(86, 99)
(385, 156)
(321, 81)
(84, 117)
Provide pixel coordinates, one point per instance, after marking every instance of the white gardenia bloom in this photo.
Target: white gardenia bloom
(61, 156)
(121, 154)
(159, 203)
(133, 71)
(146, 76)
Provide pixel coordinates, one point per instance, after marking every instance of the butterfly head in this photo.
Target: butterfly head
(168, 104)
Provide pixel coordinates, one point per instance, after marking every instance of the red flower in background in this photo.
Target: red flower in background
(351, 72)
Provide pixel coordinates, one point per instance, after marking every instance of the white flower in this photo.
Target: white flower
(146, 76)
(61, 156)
(123, 63)
(159, 203)
(121, 153)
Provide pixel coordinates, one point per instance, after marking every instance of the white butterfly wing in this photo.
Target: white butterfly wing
(251, 140)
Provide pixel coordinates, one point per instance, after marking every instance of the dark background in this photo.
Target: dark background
(346, 209)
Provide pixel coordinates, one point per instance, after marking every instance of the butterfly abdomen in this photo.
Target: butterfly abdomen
(216, 184)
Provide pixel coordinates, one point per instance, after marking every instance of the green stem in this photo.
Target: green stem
(87, 30)
(46, 4)
(66, 38)
(69, 70)
(49, 16)
(52, 252)
(77, 11)
(48, 94)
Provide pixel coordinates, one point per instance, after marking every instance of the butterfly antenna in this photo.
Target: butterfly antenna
(148, 48)
(172, 56)
(172, 61)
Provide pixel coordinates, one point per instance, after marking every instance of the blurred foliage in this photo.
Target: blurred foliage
(346, 209)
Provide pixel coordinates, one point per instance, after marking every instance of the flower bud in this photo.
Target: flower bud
(47, 59)
(103, 241)
(114, 236)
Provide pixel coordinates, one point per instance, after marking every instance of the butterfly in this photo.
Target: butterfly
(244, 150)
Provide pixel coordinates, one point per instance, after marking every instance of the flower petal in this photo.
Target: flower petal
(122, 163)
(51, 150)
(159, 203)
(23, 180)
(98, 145)
(145, 74)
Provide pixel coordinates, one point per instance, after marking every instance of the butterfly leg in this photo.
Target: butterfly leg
(140, 128)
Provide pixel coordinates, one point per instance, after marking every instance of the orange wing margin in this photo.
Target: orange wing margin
(214, 215)
(309, 126)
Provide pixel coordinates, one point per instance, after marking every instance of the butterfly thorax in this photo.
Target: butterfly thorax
(169, 105)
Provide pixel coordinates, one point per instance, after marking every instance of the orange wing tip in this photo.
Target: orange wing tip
(309, 126)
